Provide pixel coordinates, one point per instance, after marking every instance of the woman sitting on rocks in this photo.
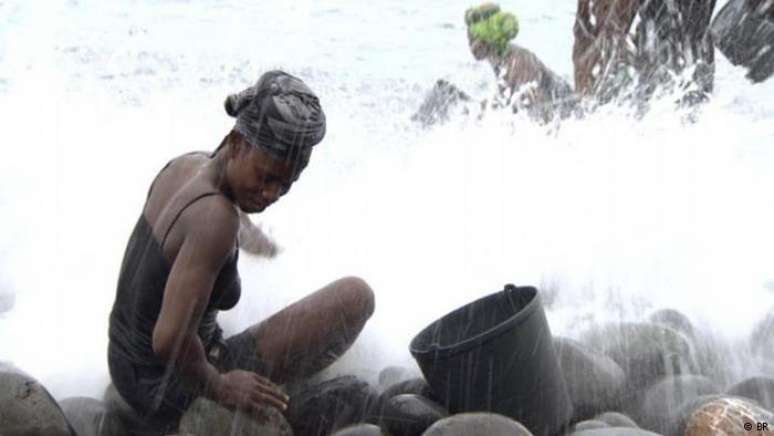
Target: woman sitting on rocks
(543, 93)
(180, 269)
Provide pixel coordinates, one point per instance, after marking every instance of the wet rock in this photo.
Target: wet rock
(663, 400)
(590, 424)
(760, 389)
(727, 416)
(410, 415)
(615, 431)
(646, 352)
(616, 419)
(205, 417)
(26, 407)
(394, 374)
(439, 103)
(416, 386)
(118, 407)
(594, 381)
(674, 319)
(90, 417)
(744, 32)
(360, 430)
(762, 339)
(322, 408)
(477, 424)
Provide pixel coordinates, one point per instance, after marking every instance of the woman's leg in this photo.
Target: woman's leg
(313, 332)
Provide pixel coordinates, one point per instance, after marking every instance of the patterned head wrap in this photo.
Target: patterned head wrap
(279, 113)
(492, 26)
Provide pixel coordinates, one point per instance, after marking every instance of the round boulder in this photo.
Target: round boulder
(594, 381)
(393, 374)
(615, 431)
(674, 319)
(662, 400)
(325, 407)
(589, 424)
(90, 417)
(616, 419)
(477, 424)
(360, 430)
(410, 415)
(728, 416)
(760, 389)
(416, 386)
(205, 417)
(645, 351)
(762, 339)
(26, 407)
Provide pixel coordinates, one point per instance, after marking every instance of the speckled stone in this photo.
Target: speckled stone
(727, 416)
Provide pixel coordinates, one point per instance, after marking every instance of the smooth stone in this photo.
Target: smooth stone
(744, 36)
(26, 407)
(205, 417)
(683, 414)
(410, 415)
(90, 417)
(394, 374)
(615, 431)
(360, 430)
(762, 338)
(416, 386)
(594, 381)
(674, 319)
(590, 424)
(646, 352)
(325, 407)
(439, 103)
(477, 424)
(616, 419)
(727, 416)
(760, 389)
(662, 400)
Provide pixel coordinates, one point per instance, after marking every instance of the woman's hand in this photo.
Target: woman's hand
(248, 391)
(253, 239)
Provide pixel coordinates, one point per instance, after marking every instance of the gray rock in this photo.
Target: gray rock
(616, 419)
(410, 415)
(439, 103)
(615, 431)
(683, 414)
(674, 319)
(760, 389)
(26, 408)
(392, 375)
(205, 418)
(590, 424)
(744, 34)
(594, 381)
(416, 386)
(762, 338)
(323, 408)
(90, 417)
(477, 424)
(360, 430)
(646, 352)
(662, 400)
(128, 418)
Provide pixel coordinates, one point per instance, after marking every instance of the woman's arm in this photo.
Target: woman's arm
(210, 228)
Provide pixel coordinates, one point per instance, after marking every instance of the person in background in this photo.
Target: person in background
(541, 91)
(180, 269)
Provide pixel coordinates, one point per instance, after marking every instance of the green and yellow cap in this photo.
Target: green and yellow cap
(492, 26)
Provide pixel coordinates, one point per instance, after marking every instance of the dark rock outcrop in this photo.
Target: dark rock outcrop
(360, 430)
(410, 415)
(760, 389)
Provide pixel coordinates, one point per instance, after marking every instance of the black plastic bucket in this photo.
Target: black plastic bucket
(745, 35)
(496, 354)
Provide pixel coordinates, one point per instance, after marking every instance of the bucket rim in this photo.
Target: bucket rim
(447, 351)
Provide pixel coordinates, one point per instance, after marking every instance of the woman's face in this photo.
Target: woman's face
(256, 178)
(479, 48)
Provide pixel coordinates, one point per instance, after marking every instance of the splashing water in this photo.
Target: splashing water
(613, 214)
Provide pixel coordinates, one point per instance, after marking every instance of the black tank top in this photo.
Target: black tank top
(141, 284)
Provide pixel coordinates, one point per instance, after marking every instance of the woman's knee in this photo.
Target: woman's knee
(357, 296)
